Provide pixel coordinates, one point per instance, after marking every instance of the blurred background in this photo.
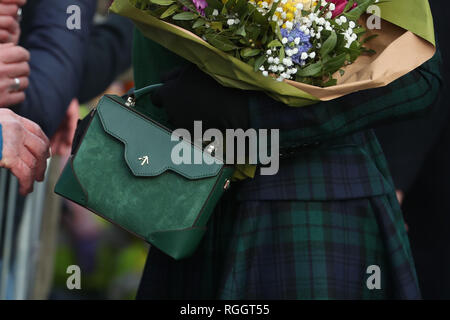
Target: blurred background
(42, 234)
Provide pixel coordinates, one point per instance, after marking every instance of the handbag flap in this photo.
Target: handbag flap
(149, 146)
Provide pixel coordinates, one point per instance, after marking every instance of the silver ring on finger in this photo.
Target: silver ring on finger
(16, 85)
(19, 14)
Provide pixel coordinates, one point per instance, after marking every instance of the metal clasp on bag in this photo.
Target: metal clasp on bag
(131, 101)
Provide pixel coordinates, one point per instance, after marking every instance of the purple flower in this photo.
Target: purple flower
(200, 5)
(304, 45)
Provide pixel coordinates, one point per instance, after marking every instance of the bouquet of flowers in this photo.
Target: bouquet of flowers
(297, 51)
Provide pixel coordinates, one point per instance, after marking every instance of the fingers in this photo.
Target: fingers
(9, 23)
(35, 129)
(8, 9)
(13, 70)
(12, 53)
(12, 99)
(25, 176)
(20, 3)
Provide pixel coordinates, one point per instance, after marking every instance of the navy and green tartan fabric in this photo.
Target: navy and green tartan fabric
(312, 230)
(290, 250)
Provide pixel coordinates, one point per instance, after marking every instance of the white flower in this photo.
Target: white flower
(269, 51)
(343, 19)
(328, 15)
(332, 6)
(279, 9)
(297, 40)
(215, 12)
(270, 59)
(289, 52)
(276, 61)
(274, 18)
(230, 22)
(262, 68)
(299, 6)
(265, 73)
(295, 50)
(304, 56)
(352, 24)
(284, 40)
(312, 55)
(289, 25)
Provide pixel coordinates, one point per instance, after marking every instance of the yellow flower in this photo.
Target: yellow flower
(289, 10)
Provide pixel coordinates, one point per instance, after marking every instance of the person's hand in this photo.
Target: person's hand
(14, 71)
(61, 142)
(10, 15)
(188, 94)
(25, 149)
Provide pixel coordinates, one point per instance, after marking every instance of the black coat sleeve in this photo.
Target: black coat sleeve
(108, 55)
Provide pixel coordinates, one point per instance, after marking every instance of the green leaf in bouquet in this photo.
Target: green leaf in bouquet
(330, 82)
(188, 4)
(281, 54)
(329, 44)
(215, 4)
(162, 2)
(220, 42)
(217, 25)
(198, 23)
(313, 70)
(370, 38)
(259, 62)
(354, 51)
(241, 31)
(335, 63)
(355, 13)
(185, 16)
(249, 52)
(274, 44)
(170, 11)
(348, 6)
(241, 8)
(259, 18)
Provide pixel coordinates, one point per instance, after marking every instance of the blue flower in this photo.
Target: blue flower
(304, 45)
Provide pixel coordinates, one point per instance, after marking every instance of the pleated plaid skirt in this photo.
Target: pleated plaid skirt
(292, 250)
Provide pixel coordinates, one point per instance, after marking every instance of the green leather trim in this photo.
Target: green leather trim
(215, 196)
(69, 186)
(139, 93)
(144, 138)
(178, 244)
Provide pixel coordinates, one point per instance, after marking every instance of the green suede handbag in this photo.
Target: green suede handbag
(122, 170)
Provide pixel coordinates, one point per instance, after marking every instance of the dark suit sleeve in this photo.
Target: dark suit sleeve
(302, 126)
(57, 59)
(108, 55)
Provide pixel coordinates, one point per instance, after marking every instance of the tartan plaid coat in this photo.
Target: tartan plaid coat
(313, 230)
